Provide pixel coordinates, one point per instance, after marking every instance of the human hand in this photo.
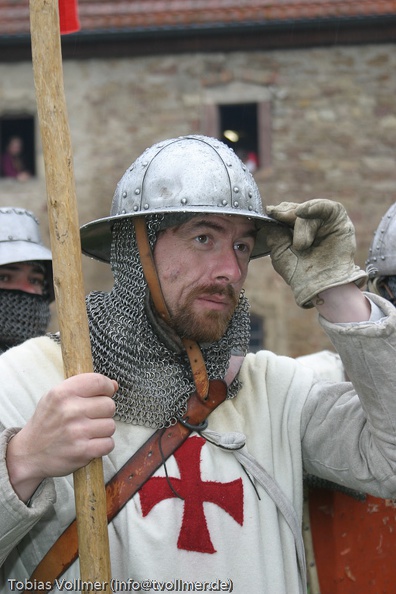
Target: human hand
(314, 250)
(71, 425)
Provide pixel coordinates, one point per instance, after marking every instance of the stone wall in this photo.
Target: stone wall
(333, 115)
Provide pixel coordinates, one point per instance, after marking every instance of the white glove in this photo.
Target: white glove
(315, 249)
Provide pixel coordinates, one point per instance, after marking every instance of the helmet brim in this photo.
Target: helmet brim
(96, 236)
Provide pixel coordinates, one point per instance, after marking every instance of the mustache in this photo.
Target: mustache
(226, 290)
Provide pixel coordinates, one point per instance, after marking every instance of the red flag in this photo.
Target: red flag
(68, 16)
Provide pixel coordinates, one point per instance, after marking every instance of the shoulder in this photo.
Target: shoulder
(280, 380)
(27, 372)
(266, 366)
(326, 365)
(41, 351)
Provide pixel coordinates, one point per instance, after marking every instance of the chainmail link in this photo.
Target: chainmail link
(154, 379)
(22, 316)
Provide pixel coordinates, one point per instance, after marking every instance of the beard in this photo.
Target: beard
(203, 327)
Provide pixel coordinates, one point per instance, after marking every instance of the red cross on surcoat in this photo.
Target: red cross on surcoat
(194, 533)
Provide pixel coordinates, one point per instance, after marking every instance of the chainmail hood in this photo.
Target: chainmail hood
(154, 376)
(22, 316)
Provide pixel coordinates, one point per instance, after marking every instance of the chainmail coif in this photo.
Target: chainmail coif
(22, 316)
(154, 379)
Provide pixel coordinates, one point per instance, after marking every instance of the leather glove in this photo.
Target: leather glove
(315, 249)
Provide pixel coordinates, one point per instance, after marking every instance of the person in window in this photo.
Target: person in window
(26, 287)
(13, 162)
(249, 158)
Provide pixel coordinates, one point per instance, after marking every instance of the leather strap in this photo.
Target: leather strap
(149, 268)
(132, 476)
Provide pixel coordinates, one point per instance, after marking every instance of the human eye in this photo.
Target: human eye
(243, 248)
(202, 239)
(37, 281)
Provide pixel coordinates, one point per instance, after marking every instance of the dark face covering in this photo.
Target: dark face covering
(22, 316)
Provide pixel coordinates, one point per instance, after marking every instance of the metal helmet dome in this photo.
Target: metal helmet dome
(20, 241)
(381, 259)
(190, 174)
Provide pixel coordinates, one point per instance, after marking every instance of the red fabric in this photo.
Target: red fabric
(194, 534)
(68, 16)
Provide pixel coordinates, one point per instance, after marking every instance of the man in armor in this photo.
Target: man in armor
(223, 509)
(26, 287)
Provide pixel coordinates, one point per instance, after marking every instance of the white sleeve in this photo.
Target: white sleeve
(349, 429)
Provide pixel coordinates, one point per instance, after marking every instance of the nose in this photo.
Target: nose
(23, 283)
(228, 268)
(29, 288)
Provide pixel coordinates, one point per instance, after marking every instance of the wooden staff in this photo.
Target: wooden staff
(68, 279)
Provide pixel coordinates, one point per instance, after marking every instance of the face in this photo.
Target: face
(202, 266)
(15, 146)
(23, 276)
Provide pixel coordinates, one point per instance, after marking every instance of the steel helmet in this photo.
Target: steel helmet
(381, 260)
(185, 175)
(20, 241)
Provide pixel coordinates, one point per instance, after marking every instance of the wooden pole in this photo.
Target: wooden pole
(312, 570)
(89, 486)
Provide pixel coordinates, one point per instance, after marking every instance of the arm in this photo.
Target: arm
(348, 430)
(72, 425)
(27, 372)
(343, 304)
(352, 440)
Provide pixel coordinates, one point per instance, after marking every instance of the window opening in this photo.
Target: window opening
(239, 130)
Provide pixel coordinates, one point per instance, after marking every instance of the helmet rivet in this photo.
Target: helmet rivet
(137, 191)
(236, 189)
(250, 193)
(236, 203)
(144, 164)
(224, 202)
(123, 211)
(183, 200)
(124, 194)
(136, 208)
(250, 207)
(146, 206)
